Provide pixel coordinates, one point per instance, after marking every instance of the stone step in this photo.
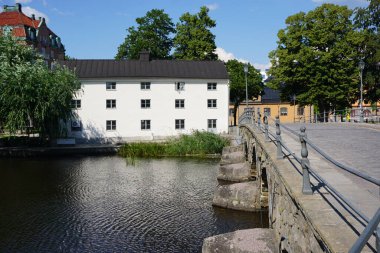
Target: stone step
(240, 196)
(238, 172)
(234, 157)
(257, 240)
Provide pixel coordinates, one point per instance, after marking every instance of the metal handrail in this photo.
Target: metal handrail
(372, 225)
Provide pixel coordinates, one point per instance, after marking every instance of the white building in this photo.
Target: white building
(148, 99)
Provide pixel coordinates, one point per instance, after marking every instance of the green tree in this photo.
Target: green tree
(317, 57)
(31, 94)
(367, 20)
(152, 33)
(194, 40)
(237, 83)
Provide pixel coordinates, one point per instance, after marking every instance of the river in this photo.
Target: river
(104, 204)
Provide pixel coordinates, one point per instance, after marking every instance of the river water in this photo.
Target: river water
(104, 204)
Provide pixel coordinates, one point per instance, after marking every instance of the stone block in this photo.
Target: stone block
(231, 149)
(240, 196)
(257, 240)
(238, 172)
(234, 157)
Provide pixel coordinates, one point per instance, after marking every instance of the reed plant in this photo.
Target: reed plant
(199, 143)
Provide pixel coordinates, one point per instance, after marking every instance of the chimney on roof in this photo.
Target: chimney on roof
(18, 7)
(33, 17)
(144, 55)
(39, 18)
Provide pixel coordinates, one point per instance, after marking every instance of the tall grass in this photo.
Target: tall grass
(199, 143)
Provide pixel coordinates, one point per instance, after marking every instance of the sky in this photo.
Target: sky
(246, 29)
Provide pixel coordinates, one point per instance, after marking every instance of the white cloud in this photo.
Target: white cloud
(212, 7)
(23, 1)
(226, 56)
(29, 11)
(62, 13)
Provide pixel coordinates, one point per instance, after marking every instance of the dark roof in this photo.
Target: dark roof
(270, 96)
(153, 68)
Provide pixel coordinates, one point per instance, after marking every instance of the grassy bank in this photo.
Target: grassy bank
(199, 143)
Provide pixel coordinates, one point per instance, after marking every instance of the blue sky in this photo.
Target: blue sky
(246, 29)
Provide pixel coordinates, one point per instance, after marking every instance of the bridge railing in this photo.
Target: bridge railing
(371, 225)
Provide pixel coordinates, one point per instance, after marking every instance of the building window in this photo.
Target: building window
(179, 124)
(180, 103)
(180, 86)
(300, 110)
(231, 112)
(145, 124)
(211, 103)
(110, 103)
(145, 103)
(76, 104)
(110, 85)
(111, 125)
(211, 123)
(267, 111)
(284, 111)
(211, 86)
(145, 85)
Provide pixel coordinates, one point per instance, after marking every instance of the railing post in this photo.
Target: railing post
(278, 138)
(378, 239)
(324, 116)
(306, 186)
(258, 117)
(253, 115)
(266, 127)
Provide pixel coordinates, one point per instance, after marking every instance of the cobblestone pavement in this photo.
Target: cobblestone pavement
(355, 145)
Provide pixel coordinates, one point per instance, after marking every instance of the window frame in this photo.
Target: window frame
(110, 125)
(267, 109)
(212, 123)
(179, 124)
(299, 109)
(111, 105)
(179, 86)
(212, 103)
(212, 86)
(74, 104)
(145, 104)
(180, 104)
(283, 113)
(145, 85)
(145, 124)
(110, 85)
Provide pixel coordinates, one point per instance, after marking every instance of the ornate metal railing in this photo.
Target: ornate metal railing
(371, 225)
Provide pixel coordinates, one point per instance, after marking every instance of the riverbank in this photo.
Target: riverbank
(103, 149)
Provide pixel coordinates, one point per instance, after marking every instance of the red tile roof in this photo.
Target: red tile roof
(13, 18)
(19, 32)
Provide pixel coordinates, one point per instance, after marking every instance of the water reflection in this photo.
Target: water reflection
(103, 204)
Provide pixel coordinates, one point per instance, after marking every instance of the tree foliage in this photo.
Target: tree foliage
(367, 20)
(194, 40)
(237, 83)
(152, 33)
(317, 57)
(32, 95)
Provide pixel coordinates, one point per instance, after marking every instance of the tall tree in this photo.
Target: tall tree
(367, 20)
(194, 40)
(152, 33)
(31, 94)
(237, 83)
(316, 58)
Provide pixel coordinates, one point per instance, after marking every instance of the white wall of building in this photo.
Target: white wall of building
(128, 113)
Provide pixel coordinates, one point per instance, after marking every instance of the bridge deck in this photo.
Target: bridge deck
(357, 146)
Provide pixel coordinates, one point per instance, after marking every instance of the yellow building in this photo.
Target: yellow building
(271, 104)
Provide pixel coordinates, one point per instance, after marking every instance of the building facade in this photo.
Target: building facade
(270, 103)
(31, 31)
(148, 100)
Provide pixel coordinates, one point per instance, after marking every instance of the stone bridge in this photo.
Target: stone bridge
(313, 204)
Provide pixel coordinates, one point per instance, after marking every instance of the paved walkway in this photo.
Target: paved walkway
(355, 145)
